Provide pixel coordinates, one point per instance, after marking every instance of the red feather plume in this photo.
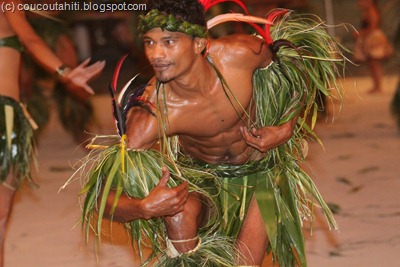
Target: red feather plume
(116, 72)
(267, 28)
(113, 88)
(210, 3)
(265, 33)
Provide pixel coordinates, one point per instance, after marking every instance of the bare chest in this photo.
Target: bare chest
(222, 110)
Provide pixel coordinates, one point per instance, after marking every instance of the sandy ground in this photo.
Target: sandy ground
(358, 171)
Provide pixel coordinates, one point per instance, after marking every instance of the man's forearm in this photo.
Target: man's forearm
(127, 209)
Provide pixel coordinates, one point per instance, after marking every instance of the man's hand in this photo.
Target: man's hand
(268, 137)
(164, 201)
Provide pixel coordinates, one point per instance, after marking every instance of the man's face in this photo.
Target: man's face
(171, 54)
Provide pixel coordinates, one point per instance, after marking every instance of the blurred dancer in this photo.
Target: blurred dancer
(39, 87)
(372, 46)
(16, 127)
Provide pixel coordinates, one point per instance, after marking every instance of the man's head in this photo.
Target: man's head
(186, 16)
(174, 36)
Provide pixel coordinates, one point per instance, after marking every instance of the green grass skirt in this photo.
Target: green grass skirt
(16, 142)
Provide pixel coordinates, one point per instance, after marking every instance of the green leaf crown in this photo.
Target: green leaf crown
(155, 19)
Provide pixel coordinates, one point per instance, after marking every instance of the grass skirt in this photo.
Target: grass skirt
(136, 173)
(16, 142)
(374, 45)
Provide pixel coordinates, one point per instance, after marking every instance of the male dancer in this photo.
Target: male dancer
(203, 92)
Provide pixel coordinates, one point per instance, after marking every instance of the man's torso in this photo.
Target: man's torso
(209, 126)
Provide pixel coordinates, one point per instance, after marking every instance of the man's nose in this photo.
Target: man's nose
(157, 52)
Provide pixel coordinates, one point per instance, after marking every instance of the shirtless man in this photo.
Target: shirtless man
(16, 35)
(207, 123)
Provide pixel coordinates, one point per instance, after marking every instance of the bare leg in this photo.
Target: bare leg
(6, 200)
(252, 240)
(375, 68)
(185, 224)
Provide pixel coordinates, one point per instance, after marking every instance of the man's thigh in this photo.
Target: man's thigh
(252, 240)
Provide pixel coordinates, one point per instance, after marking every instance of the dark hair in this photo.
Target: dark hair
(185, 10)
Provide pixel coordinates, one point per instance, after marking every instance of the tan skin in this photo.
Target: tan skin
(15, 23)
(370, 14)
(195, 98)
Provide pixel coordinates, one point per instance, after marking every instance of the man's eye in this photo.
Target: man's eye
(148, 43)
(169, 42)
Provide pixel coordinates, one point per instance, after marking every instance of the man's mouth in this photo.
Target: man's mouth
(160, 66)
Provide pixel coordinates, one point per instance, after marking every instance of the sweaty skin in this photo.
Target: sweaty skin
(209, 126)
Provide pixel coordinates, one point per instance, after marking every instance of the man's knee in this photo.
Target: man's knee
(190, 217)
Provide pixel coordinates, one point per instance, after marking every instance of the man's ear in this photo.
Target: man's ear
(200, 44)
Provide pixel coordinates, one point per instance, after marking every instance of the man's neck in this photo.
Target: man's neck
(198, 81)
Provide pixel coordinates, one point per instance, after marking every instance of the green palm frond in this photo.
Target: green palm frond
(134, 174)
(283, 90)
(215, 251)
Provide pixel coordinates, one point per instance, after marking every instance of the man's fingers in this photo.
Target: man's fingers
(244, 132)
(250, 138)
(165, 176)
(182, 195)
(255, 133)
(183, 188)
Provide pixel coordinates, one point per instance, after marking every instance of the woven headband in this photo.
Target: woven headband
(155, 19)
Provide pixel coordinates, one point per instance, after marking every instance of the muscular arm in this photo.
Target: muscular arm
(269, 137)
(141, 126)
(248, 53)
(242, 51)
(251, 53)
(142, 133)
(162, 201)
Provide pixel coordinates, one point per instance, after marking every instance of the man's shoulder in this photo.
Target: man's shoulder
(239, 40)
(237, 48)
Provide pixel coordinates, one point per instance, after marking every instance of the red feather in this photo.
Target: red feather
(267, 28)
(238, 17)
(116, 72)
(264, 34)
(210, 3)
